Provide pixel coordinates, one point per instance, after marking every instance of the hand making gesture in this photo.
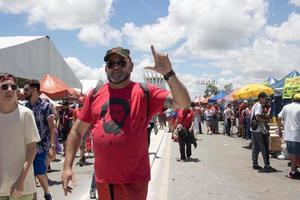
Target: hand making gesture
(162, 63)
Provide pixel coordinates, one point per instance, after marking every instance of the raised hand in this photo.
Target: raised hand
(162, 63)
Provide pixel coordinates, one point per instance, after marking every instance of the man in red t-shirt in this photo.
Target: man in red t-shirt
(184, 126)
(119, 113)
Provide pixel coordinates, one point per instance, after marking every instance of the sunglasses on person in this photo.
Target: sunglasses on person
(6, 86)
(120, 63)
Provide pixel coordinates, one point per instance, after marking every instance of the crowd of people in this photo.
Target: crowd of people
(251, 121)
(116, 115)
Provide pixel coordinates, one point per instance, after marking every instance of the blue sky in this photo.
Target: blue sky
(231, 41)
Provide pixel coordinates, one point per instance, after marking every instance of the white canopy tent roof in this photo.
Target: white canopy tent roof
(33, 57)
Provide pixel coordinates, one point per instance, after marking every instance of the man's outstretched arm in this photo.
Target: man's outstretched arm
(73, 143)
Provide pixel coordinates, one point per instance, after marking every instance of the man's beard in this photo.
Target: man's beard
(27, 97)
(119, 81)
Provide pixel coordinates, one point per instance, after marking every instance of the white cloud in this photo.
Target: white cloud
(83, 71)
(139, 69)
(288, 31)
(162, 34)
(14, 6)
(221, 24)
(295, 2)
(66, 15)
(91, 16)
(264, 58)
(204, 24)
(105, 35)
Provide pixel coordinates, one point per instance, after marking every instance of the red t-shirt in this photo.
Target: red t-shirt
(119, 122)
(185, 117)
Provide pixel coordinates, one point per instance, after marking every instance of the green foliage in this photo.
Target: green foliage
(211, 89)
(228, 88)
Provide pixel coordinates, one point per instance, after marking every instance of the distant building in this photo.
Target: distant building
(155, 79)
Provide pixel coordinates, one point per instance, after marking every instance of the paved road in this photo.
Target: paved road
(220, 170)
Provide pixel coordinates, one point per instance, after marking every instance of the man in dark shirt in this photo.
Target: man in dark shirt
(44, 118)
(65, 122)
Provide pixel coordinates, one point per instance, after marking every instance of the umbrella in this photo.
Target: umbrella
(251, 91)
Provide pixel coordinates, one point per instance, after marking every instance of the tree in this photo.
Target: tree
(211, 89)
(228, 88)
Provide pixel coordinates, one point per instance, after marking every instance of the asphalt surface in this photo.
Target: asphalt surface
(220, 169)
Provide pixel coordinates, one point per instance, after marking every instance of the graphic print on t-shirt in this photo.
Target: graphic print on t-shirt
(114, 113)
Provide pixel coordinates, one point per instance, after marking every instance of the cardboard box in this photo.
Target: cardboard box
(275, 142)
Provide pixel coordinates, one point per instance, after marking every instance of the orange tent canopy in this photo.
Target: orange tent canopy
(55, 88)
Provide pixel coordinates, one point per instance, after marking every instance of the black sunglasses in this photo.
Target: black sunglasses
(6, 86)
(120, 63)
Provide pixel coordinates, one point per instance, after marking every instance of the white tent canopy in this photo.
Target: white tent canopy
(33, 57)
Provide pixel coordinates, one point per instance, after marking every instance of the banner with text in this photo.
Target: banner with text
(291, 87)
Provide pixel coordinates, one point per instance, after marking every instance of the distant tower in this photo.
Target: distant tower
(155, 79)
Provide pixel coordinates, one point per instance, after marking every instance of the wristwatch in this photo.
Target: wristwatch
(52, 145)
(168, 75)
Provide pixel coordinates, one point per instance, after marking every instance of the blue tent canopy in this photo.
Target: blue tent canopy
(271, 80)
(279, 84)
(218, 96)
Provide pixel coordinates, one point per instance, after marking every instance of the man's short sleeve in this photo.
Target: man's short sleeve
(85, 113)
(258, 109)
(49, 111)
(30, 129)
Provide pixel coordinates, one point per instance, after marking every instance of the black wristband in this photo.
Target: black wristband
(168, 75)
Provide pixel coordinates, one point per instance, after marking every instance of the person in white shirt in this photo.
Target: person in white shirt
(18, 138)
(290, 115)
(228, 116)
(260, 135)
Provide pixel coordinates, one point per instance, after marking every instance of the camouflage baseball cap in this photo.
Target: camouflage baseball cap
(119, 51)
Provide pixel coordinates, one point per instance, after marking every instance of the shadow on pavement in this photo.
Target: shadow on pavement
(247, 147)
(53, 170)
(272, 170)
(51, 182)
(194, 160)
(86, 163)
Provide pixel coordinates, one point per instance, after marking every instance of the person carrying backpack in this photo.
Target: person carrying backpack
(119, 113)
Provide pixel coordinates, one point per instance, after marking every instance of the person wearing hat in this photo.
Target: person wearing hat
(18, 138)
(260, 135)
(119, 112)
(290, 116)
